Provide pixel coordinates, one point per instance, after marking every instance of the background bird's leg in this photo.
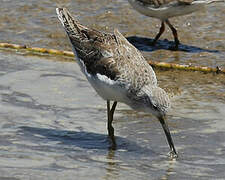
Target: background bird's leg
(173, 152)
(174, 31)
(110, 113)
(161, 30)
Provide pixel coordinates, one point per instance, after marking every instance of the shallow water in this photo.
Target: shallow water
(53, 124)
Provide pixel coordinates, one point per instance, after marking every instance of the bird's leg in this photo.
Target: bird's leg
(173, 153)
(110, 113)
(174, 31)
(161, 30)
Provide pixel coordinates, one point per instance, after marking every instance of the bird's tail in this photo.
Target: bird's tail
(71, 26)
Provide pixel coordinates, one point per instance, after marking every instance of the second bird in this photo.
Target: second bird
(165, 9)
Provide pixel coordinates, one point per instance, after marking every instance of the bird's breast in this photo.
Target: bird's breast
(108, 89)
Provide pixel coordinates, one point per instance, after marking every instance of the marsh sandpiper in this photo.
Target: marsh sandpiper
(165, 9)
(117, 71)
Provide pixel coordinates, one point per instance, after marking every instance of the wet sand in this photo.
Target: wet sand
(202, 34)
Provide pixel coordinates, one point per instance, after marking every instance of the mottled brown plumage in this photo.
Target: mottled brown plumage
(109, 54)
(117, 71)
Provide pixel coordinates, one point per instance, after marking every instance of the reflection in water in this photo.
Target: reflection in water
(112, 169)
(169, 171)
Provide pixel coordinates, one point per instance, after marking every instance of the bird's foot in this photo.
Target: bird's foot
(112, 147)
(175, 47)
(113, 143)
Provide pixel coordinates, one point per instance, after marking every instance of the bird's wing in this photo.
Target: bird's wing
(131, 63)
(92, 47)
(107, 54)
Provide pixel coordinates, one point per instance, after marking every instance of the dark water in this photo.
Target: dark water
(53, 124)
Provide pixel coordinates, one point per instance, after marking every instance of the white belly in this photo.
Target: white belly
(164, 13)
(108, 89)
(105, 87)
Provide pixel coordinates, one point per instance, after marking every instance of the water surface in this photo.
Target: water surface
(53, 124)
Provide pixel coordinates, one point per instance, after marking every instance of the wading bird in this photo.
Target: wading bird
(117, 71)
(165, 9)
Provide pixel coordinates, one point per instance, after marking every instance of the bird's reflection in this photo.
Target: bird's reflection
(169, 171)
(112, 169)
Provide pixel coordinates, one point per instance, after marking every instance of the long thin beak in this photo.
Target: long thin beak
(173, 152)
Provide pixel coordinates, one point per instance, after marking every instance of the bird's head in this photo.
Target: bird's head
(156, 101)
